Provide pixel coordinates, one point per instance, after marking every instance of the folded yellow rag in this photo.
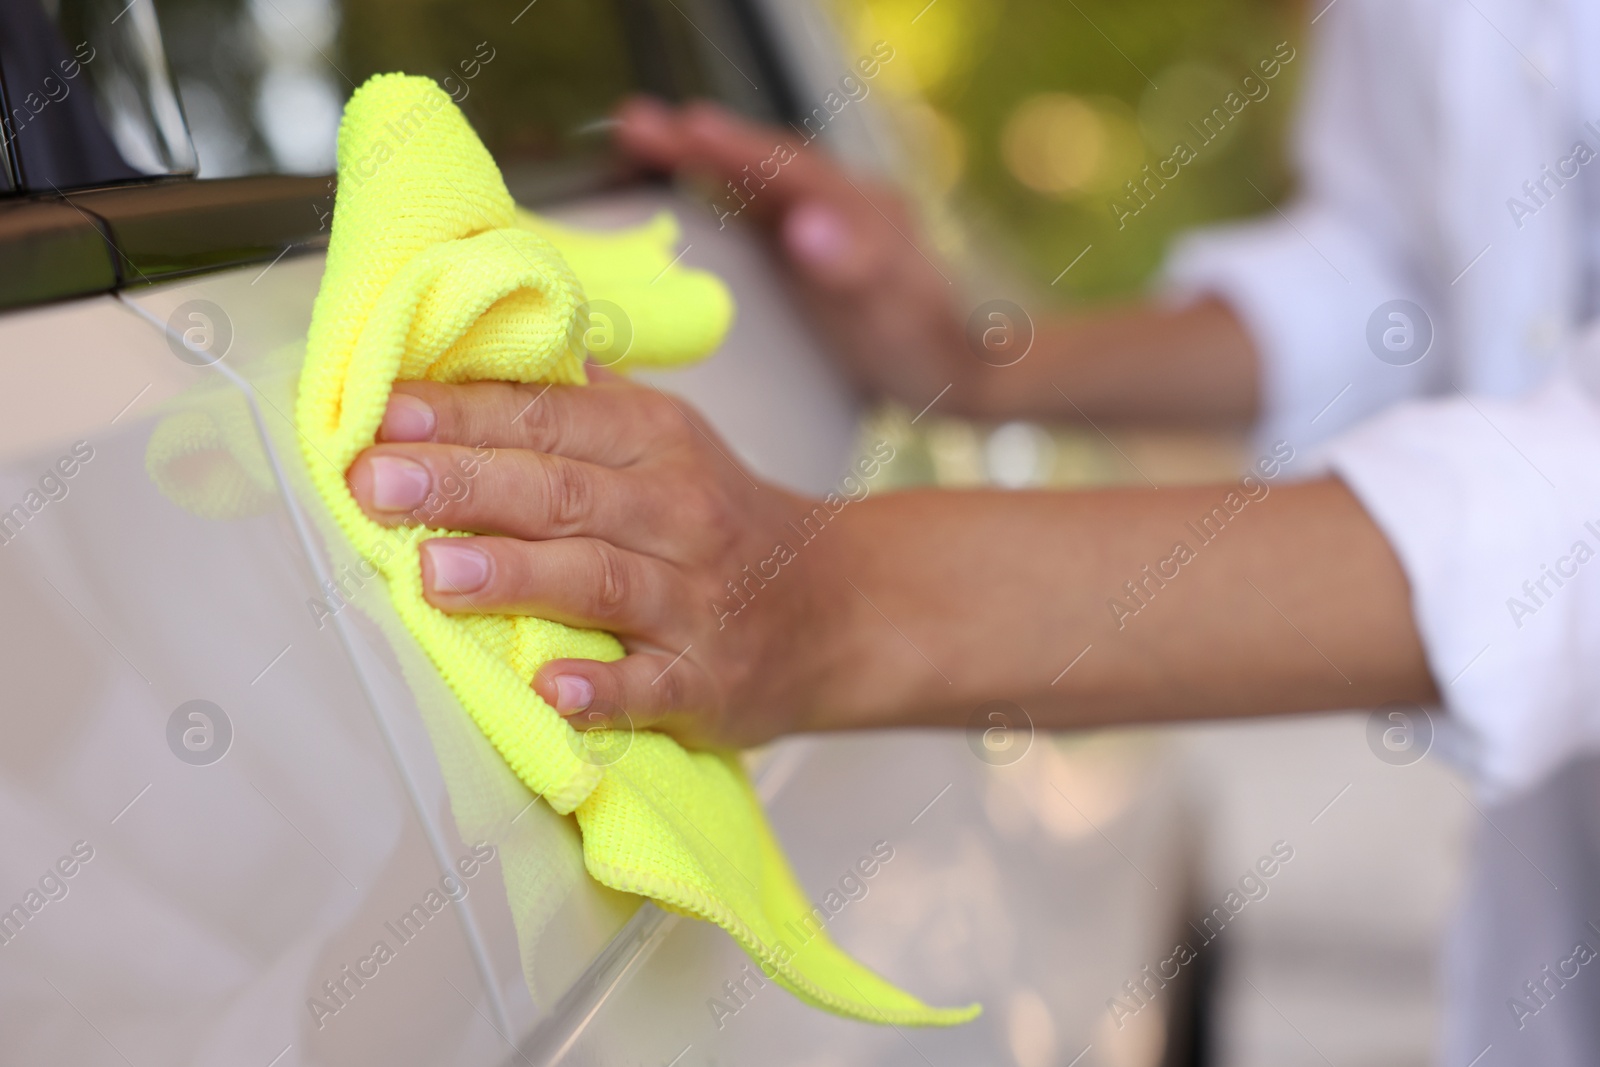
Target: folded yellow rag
(432, 273)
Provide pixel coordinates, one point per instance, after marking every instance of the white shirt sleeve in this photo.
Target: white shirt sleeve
(1493, 506)
(1305, 282)
(1494, 510)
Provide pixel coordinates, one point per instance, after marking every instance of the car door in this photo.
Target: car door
(230, 776)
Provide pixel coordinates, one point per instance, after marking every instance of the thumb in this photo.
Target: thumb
(636, 692)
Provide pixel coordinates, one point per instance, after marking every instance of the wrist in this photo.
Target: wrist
(862, 671)
(793, 648)
(990, 389)
(820, 632)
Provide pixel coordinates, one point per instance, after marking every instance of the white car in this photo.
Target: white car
(226, 778)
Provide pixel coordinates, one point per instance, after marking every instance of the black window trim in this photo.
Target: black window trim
(79, 242)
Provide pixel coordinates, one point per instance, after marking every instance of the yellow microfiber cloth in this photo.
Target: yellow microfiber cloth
(208, 460)
(433, 273)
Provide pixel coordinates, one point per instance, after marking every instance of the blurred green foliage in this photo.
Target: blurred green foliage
(1148, 61)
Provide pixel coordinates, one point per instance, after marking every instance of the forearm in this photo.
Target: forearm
(1141, 363)
(746, 611)
(897, 324)
(942, 601)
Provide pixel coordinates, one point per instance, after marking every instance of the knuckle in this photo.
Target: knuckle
(530, 415)
(667, 691)
(664, 420)
(452, 480)
(704, 510)
(567, 493)
(449, 412)
(453, 411)
(698, 111)
(613, 581)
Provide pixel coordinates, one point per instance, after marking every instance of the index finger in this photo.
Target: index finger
(709, 137)
(612, 422)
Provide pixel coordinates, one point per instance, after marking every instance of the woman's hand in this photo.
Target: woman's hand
(747, 611)
(615, 507)
(894, 312)
(865, 274)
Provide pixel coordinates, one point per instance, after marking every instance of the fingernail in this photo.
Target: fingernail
(398, 484)
(816, 234)
(573, 693)
(456, 567)
(408, 418)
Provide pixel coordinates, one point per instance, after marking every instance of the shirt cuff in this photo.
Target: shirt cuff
(1493, 508)
(1305, 286)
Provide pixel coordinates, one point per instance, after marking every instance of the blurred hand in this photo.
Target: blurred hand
(857, 260)
(615, 507)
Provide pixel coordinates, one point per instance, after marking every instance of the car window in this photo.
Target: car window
(86, 96)
(263, 82)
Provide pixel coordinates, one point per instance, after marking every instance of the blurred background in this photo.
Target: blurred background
(1020, 116)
